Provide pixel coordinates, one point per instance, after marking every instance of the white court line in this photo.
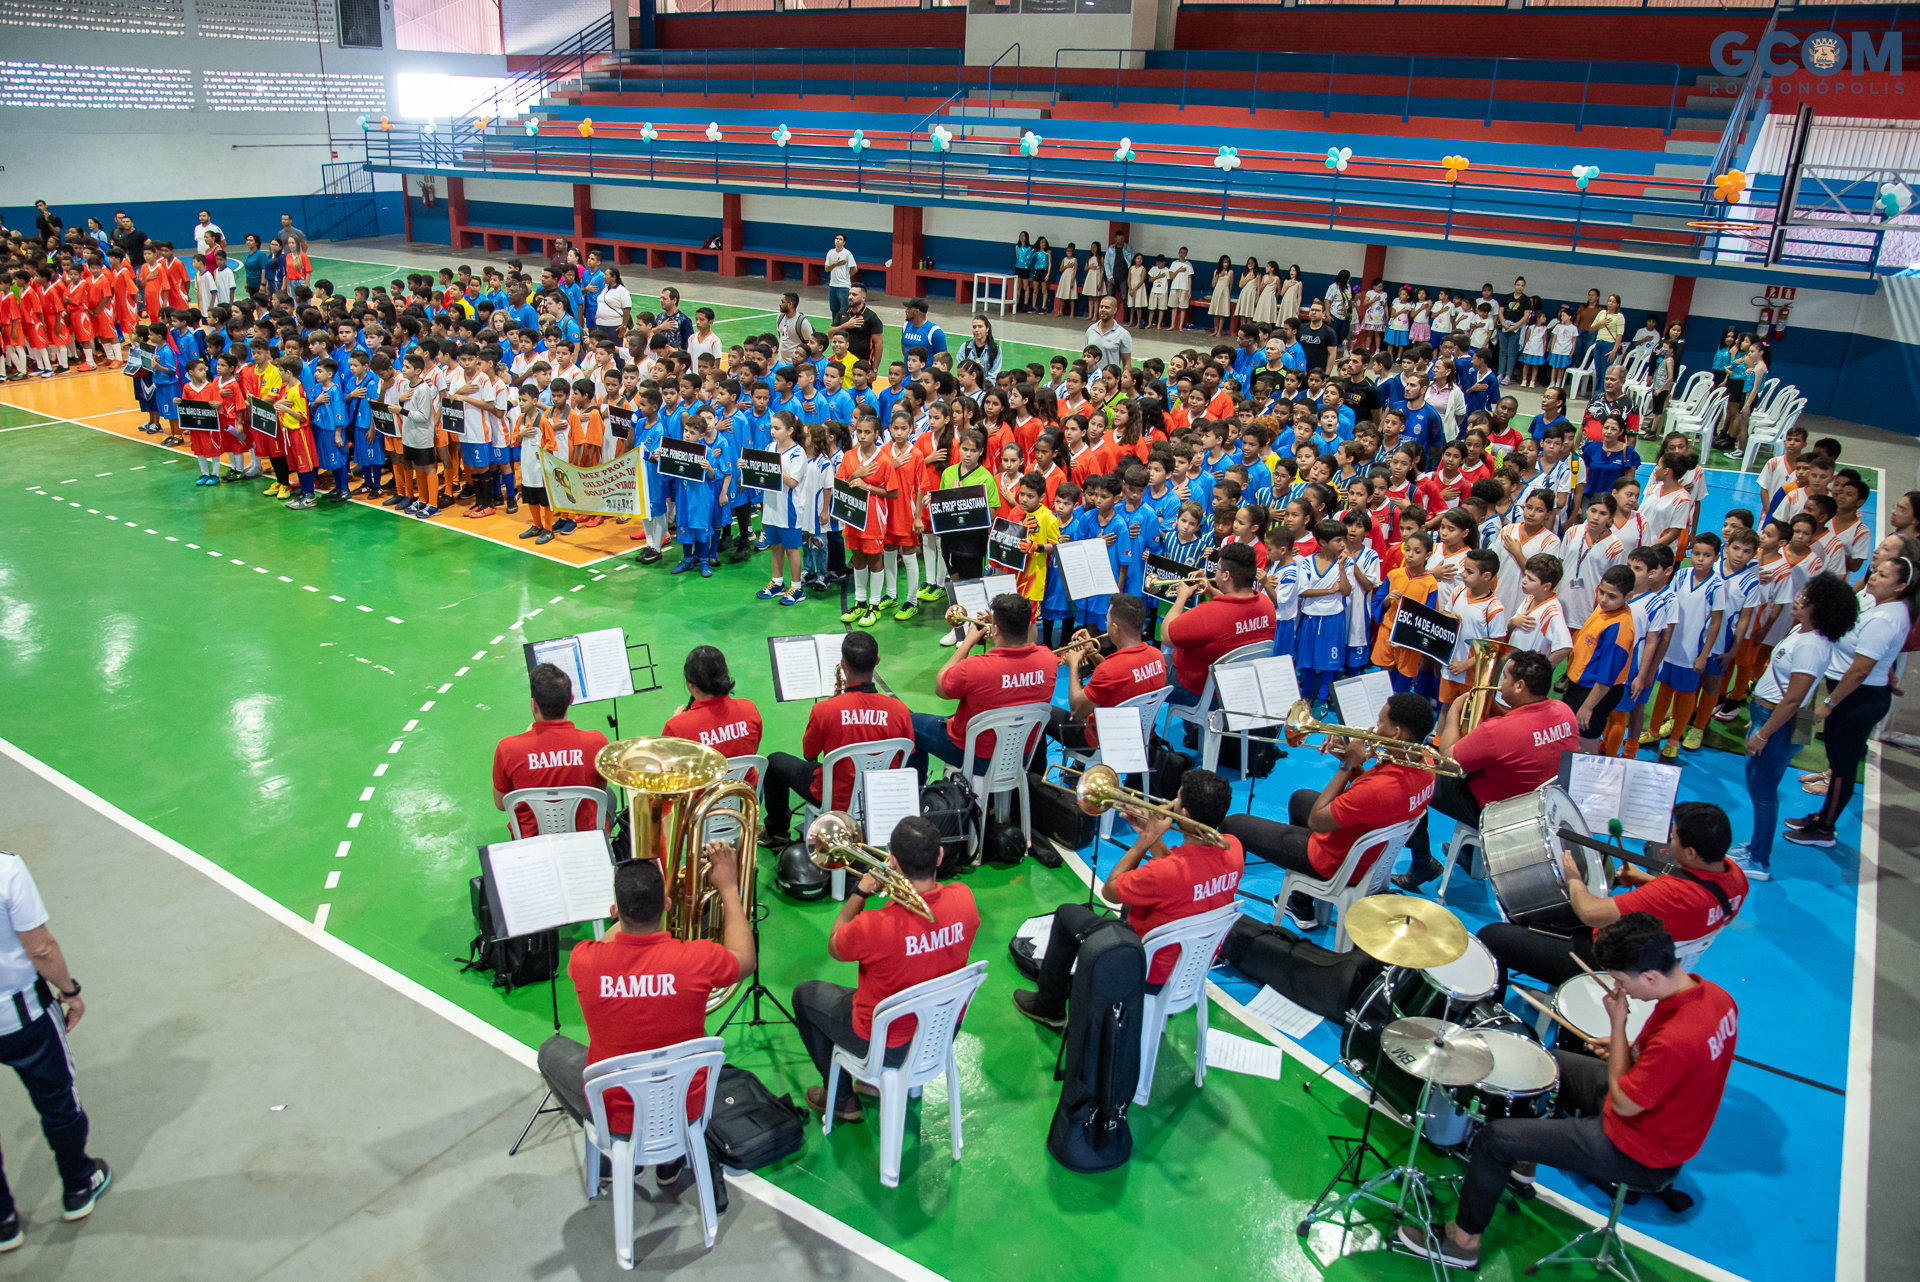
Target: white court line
(842, 1235)
(1578, 1210)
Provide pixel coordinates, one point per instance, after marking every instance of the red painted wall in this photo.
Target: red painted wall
(869, 29)
(1629, 37)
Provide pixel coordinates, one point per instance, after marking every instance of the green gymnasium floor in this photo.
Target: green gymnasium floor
(311, 701)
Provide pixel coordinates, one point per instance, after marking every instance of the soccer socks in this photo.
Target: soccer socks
(1616, 733)
(370, 473)
(306, 484)
(1662, 705)
(860, 577)
(506, 483)
(911, 564)
(930, 547)
(431, 480)
(1683, 705)
(206, 465)
(1710, 700)
(890, 574)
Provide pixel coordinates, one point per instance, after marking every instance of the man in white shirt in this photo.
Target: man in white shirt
(841, 265)
(206, 233)
(1111, 337)
(34, 987)
(612, 310)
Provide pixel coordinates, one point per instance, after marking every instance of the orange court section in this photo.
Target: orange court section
(103, 400)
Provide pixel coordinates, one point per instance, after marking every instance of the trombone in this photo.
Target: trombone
(1421, 756)
(834, 839)
(957, 616)
(1100, 790)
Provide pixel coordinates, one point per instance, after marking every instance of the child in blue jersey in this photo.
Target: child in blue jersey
(701, 505)
(649, 426)
(1320, 640)
(1142, 528)
(1056, 607)
(328, 413)
(1602, 666)
(1108, 523)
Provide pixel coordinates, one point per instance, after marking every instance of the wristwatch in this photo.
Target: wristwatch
(74, 993)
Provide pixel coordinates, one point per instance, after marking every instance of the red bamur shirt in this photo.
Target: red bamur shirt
(1686, 1050)
(1209, 630)
(550, 754)
(897, 949)
(859, 715)
(1507, 756)
(1383, 795)
(1136, 670)
(1687, 909)
(642, 992)
(1190, 880)
(1000, 678)
(731, 727)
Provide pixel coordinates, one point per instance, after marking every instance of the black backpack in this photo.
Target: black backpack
(1325, 982)
(948, 803)
(1099, 1064)
(750, 1127)
(515, 963)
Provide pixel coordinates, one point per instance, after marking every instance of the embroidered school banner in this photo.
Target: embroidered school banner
(613, 487)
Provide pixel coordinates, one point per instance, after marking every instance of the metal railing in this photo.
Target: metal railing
(1013, 49)
(345, 206)
(1487, 205)
(569, 57)
(1372, 67)
(1751, 101)
(845, 61)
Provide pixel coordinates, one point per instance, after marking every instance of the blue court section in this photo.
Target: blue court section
(1767, 1184)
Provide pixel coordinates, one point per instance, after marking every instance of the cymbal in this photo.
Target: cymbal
(1463, 1059)
(1403, 930)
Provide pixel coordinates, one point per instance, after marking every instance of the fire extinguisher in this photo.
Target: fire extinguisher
(1780, 322)
(1764, 325)
(426, 192)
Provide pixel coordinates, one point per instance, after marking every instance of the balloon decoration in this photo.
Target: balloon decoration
(1894, 198)
(859, 142)
(942, 137)
(1584, 174)
(1337, 158)
(365, 124)
(385, 123)
(647, 133)
(533, 127)
(713, 131)
(1124, 152)
(781, 136)
(1228, 159)
(427, 128)
(1731, 187)
(480, 122)
(1455, 165)
(1030, 143)
(586, 127)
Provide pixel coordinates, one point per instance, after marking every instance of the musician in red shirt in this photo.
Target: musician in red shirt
(1236, 616)
(713, 717)
(1702, 892)
(896, 948)
(640, 988)
(1630, 1111)
(550, 753)
(858, 714)
(1014, 671)
(1324, 825)
(1181, 881)
(1133, 668)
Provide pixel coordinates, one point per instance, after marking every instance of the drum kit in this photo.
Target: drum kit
(1435, 1046)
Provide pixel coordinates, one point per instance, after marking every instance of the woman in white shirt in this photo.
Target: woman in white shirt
(612, 307)
(1859, 689)
(1823, 612)
(841, 265)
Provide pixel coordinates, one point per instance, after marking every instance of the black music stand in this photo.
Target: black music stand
(756, 990)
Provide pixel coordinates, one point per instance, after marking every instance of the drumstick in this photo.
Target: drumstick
(1582, 962)
(1548, 1011)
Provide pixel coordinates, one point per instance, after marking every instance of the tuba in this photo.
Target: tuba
(673, 788)
(1488, 658)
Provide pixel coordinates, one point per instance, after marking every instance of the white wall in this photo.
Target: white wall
(658, 200)
(1041, 35)
(508, 191)
(842, 215)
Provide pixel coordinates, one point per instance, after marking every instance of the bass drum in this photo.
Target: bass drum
(1398, 994)
(1521, 838)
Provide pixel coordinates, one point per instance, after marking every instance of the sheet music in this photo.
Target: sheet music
(1594, 784)
(1285, 1015)
(584, 871)
(1241, 1055)
(796, 668)
(564, 654)
(827, 647)
(892, 795)
(1037, 930)
(530, 896)
(1647, 795)
(603, 656)
(1088, 569)
(970, 595)
(1278, 688)
(1361, 698)
(1238, 686)
(1121, 744)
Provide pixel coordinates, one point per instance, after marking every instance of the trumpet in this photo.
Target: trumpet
(833, 840)
(1100, 790)
(1201, 579)
(957, 616)
(1421, 756)
(1072, 648)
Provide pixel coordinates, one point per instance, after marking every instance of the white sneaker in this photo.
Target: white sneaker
(1755, 870)
(949, 638)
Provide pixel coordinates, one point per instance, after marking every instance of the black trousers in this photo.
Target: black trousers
(1575, 1141)
(1072, 923)
(1452, 798)
(1848, 727)
(1284, 844)
(1525, 951)
(788, 777)
(38, 1053)
(823, 1013)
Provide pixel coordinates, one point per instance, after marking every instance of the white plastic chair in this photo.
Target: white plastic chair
(721, 827)
(1149, 704)
(1198, 939)
(1688, 954)
(1199, 714)
(1335, 890)
(1465, 836)
(1700, 422)
(658, 1082)
(1010, 727)
(1580, 377)
(1771, 432)
(879, 754)
(937, 1006)
(557, 810)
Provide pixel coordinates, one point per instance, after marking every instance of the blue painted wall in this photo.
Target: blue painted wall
(174, 219)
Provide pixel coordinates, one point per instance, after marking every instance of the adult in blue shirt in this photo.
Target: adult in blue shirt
(1482, 385)
(255, 263)
(522, 311)
(1553, 405)
(921, 332)
(1423, 426)
(593, 279)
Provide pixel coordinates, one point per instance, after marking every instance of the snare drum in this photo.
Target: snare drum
(1524, 1082)
(1521, 838)
(1580, 1001)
